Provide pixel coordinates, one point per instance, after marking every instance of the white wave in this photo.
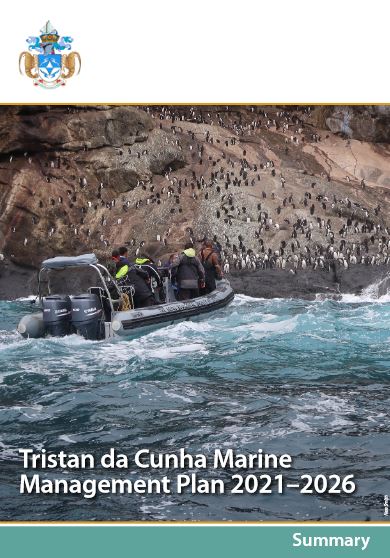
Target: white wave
(325, 338)
(324, 404)
(268, 317)
(377, 288)
(364, 298)
(151, 508)
(168, 344)
(27, 407)
(73, 340)
(146, 348)
(299, 425)
(175, 411)
(87, 378)
(8, 452)
(379, 419)
(325, 297)
(41, 417)
(372, 293)
(339, 421)
(241, 299)
(11, 339)
(172, 352)
(172, 333)
(31, 411)
(66, 438)
(311, 413)
(14, 340)
(184, 327)
(51, 394)
(269, 328)
(174, 395)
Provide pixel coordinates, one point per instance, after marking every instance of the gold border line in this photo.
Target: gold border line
(223, 104)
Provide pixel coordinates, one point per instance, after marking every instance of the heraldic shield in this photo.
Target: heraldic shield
(49, 66)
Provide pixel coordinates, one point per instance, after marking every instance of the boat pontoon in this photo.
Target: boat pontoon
(105, 311)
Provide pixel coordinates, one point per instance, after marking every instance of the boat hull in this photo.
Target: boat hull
(143, 320)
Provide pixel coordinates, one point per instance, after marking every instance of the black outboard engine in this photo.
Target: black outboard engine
(87, 316)
(56, 315)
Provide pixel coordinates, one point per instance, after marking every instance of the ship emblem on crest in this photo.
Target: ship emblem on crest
(49, 66)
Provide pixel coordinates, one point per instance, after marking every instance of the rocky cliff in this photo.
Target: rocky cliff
(65, 173)
(364, 123)
(280, 184)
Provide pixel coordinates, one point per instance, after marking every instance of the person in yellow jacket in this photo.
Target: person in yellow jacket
(156, 284)
(188, 272)
(128, 275)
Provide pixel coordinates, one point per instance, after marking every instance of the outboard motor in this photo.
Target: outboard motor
(56, 315)
(87, 316)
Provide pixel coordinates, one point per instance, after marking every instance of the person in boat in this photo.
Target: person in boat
(212, 268)
(188, 273)
(166, 271)
(127, 276)
(147, 264)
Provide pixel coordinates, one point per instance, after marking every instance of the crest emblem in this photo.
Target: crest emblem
(49, 66)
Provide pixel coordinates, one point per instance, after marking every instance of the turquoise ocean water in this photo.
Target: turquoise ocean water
(289, 376)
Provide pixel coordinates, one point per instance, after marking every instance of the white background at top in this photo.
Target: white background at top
(210, 51)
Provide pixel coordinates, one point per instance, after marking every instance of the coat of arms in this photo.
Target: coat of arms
(49, 67)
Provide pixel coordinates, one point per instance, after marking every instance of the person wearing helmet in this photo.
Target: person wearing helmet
(127, 275)
(156, 284)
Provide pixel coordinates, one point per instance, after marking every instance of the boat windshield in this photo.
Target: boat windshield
(75, 279)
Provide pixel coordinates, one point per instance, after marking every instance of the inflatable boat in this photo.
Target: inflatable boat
(104, 311)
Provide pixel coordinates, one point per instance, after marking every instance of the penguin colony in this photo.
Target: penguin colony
(242, 181)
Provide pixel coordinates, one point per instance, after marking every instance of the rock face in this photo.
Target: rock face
(58, 163)
(38, 129)
(310, 284)
(283, 181)
(365, 123)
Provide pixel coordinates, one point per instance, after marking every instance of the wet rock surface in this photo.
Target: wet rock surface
(309, 284)
(16, 282)
(363, 123)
